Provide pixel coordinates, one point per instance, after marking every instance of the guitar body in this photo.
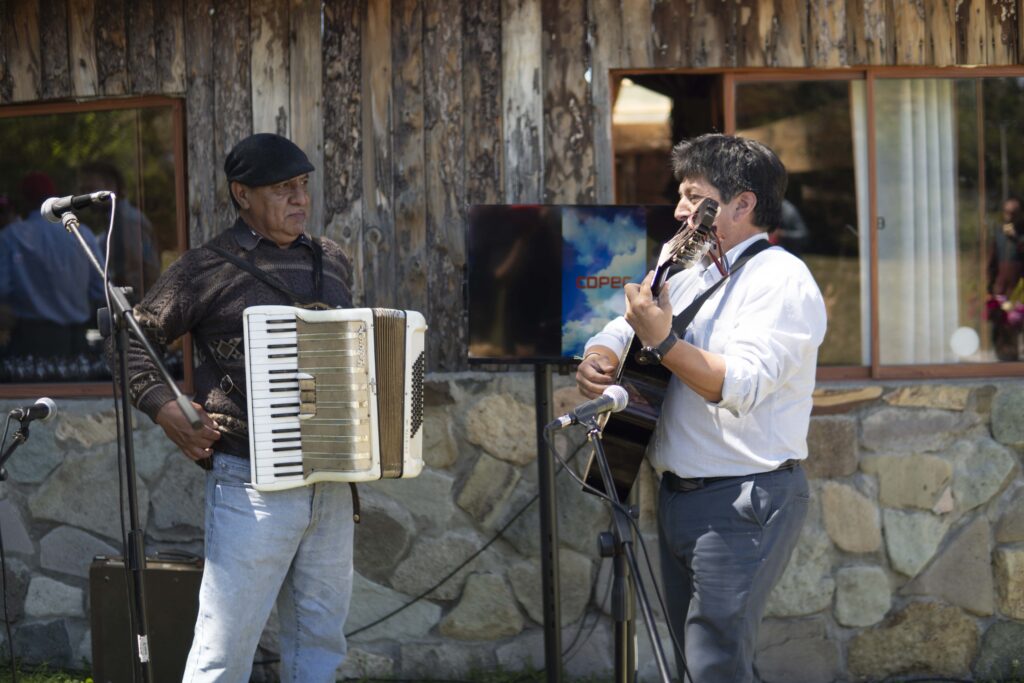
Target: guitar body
(626, 433)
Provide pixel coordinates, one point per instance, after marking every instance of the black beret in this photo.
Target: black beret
(266, 159)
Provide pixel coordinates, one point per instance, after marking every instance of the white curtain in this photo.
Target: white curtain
(916, 185)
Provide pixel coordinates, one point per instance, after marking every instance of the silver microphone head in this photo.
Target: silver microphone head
(50, 404)
(619, 396)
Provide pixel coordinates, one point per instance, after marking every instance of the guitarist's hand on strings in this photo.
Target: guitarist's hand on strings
(650, 318)
(197, 444)
(596, 372)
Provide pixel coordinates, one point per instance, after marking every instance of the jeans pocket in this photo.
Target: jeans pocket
(753, 503)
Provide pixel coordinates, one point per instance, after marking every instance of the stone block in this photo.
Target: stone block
(590, 659)
(85, 431)
(941, 396)
(433, 558)
(1007, 408)
(923, 638)
(504, 427)
(863, 596)
(806, 585)
(15, 533)
(1001, 657)
(361, 664)
(486, 611)
(45, 643)
(1009, 530)
(797, 651)
(70, 551)
(178, 499)
(428, 497)
(487, 488)
(371, 601)
(850, 518)
(383, 535)
(961, 574)
(1009, 569)
(49, 598)
(575, 573)
(831, 447)
(911, 538)
(33, 462)
(903, 430)
(909, 481)
(82, 492)
(18, 578)
(426, 661)
(440, 451)
(983, 468)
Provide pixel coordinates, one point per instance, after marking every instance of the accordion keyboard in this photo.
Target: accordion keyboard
(324, 405)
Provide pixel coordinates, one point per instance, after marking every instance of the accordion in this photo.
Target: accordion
(333, 395)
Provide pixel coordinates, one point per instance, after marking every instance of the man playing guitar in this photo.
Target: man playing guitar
(733, 427)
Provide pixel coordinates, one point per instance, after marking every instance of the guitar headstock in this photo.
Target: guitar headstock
(694, 237)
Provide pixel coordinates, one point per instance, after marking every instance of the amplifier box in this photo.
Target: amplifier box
(172, 603)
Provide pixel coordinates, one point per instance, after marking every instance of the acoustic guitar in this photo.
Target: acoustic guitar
(625, 434)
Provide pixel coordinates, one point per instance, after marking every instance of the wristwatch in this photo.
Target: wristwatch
(652, 355)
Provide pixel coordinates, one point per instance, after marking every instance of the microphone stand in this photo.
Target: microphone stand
(20, 437)
(618, 544)
(123, 321)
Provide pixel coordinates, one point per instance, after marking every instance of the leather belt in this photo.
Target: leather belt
(681, 485)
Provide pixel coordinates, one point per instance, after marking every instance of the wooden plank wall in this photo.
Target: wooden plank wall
(412, 110)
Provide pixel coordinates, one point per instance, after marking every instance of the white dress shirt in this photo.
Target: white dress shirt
(767, 322)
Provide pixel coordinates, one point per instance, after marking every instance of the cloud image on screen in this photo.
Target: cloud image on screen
(603, 247)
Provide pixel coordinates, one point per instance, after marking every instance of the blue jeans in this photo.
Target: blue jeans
(723, 548)
(293, 547)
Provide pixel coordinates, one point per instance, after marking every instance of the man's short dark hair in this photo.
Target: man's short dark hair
(733, 165)
(107, 170)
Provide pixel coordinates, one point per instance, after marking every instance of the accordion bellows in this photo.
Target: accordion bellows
(333, 395)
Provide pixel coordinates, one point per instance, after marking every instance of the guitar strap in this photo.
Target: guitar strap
(683, 320)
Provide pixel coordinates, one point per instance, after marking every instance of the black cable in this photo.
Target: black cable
(121, 477)
(450, 574)
(3, 575)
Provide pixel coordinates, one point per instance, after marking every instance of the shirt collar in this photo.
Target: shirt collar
(248, 239)
(710, 271)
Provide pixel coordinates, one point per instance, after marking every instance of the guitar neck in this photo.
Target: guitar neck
(661, 274)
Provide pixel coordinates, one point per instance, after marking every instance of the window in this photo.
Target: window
(49, 291)
(902, 200)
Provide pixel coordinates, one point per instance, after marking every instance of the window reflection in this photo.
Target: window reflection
(49, 292)
(808, 125)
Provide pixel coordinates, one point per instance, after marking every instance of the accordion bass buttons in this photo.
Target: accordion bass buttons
(307, 395)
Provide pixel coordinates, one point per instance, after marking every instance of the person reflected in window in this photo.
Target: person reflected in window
(134, 256)
(7, 213)
(792, 233)
(1005, 268)
(47, 283)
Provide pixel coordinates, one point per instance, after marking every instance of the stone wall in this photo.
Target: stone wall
(911, 563)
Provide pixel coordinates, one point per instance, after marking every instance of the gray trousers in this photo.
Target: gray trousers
(723, 548)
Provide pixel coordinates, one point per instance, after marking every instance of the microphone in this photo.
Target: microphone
(55, 207)
(614, 399)
(43, 409)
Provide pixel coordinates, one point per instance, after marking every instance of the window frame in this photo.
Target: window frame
(177, 106)
(732, 77)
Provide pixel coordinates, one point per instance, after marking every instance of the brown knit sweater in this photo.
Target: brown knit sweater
(204, 294)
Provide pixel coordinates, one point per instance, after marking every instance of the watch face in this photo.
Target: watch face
(648, 356)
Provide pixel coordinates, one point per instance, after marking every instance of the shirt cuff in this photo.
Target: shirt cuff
(736, 386)
(153, 399)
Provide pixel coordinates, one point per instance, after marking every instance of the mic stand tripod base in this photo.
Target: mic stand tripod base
(619, 542)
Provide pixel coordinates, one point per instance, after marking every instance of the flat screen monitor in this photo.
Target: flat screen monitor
(542, 279)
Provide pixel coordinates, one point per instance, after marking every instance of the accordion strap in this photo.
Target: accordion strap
(274, 283)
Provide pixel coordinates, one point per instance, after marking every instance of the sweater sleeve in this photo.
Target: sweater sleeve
(168, 311)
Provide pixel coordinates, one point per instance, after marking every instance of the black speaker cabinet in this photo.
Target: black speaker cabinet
(172, 602)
